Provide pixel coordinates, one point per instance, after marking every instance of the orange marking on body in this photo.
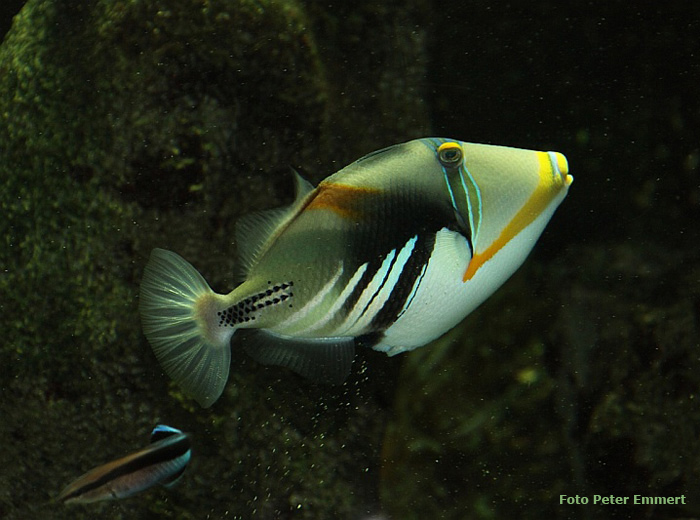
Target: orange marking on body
(477, 261)
(340, 198)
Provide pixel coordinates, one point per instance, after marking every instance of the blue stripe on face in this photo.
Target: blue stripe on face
(468, 185)
(435, 143)
(449, 189)
(473, 224)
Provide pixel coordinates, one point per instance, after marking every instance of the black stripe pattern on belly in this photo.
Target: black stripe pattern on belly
(413, 269)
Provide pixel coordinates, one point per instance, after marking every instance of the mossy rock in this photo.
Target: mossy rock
(128, 125)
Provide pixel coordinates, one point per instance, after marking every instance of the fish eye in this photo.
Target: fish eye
(449, 154)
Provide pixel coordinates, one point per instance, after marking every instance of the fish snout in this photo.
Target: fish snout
(561, 168)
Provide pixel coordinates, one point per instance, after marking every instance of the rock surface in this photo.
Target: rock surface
(131, 125)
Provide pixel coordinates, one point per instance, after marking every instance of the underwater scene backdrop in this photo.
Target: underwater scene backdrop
(130, 125)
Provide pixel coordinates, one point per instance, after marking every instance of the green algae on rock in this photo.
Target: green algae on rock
(130, 125)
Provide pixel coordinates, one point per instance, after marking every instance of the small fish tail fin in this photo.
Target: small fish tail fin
(179, 317)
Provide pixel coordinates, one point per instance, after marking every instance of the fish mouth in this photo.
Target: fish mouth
(561, 167)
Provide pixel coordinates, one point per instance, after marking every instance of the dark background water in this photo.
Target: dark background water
(8, 10)
(614, 82)
(580, 377)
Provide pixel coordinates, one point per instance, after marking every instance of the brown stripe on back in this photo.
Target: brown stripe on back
(340, 198)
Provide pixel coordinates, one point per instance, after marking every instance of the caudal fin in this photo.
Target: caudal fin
(178, 313)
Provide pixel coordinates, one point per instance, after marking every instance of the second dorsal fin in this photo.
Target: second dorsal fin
(255, 231)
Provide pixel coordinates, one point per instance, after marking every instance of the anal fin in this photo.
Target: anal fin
(326, 360)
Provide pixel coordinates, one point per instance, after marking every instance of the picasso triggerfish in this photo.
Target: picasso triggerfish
(390, 252)
(162, 462)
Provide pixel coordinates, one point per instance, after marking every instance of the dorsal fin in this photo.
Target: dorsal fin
(302, 187)
(255, 230)
(252, 233)
(162, 431)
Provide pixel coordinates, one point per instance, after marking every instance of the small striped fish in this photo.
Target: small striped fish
(390, 252)
(162, 462)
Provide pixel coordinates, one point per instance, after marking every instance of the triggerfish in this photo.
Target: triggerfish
(390, 252)
(162, 462)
